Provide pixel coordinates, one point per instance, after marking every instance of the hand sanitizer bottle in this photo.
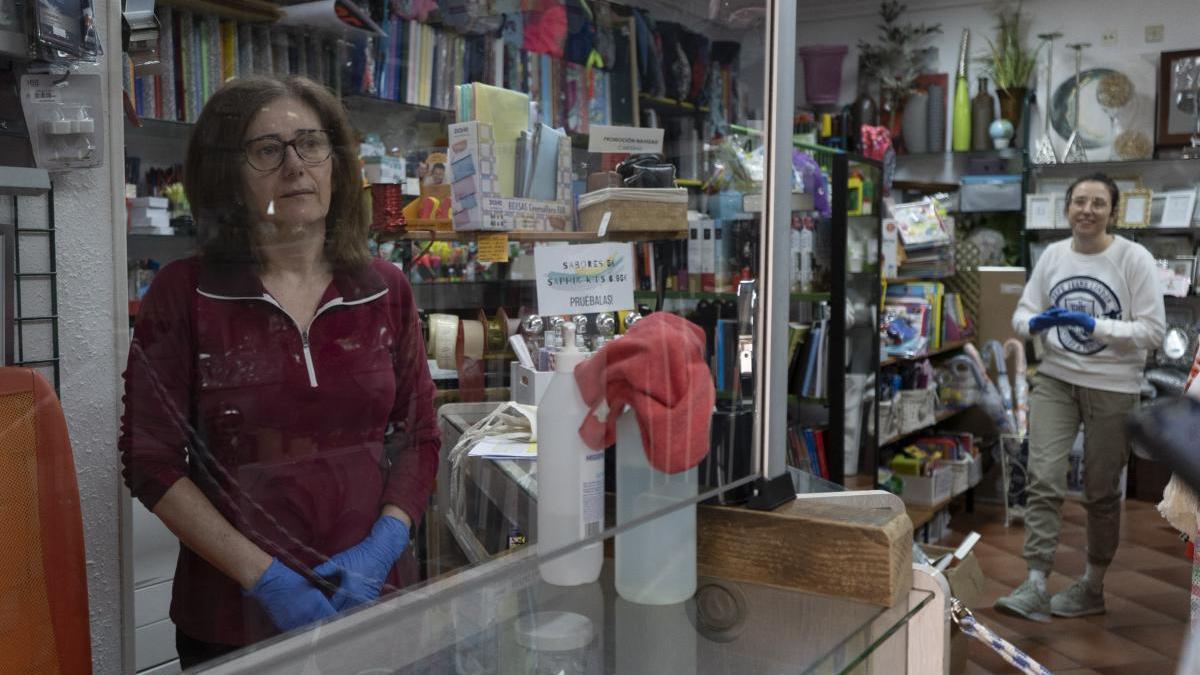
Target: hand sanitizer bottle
(570, 477)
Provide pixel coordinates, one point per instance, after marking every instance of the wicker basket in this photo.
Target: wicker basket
(635, 210)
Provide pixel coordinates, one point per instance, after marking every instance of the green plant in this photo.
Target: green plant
(1009, 61)
(894, 60)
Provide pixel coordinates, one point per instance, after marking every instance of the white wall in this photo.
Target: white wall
(89, 346)
(821, 22)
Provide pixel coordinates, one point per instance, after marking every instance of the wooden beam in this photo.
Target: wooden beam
(845, 551)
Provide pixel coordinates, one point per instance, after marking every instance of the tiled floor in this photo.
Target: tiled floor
(1146, 593)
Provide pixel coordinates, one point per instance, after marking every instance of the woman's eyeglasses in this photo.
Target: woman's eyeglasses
(267, 153)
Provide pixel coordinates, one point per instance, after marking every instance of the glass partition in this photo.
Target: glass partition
(461, 283)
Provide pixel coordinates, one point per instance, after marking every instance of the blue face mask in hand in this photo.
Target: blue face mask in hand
(362, 569)
(288, 598)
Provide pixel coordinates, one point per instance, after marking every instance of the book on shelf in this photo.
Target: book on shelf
(807, 449)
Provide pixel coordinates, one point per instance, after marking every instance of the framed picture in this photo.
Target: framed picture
(1183, 271)
(1135, 208)
(1128, 183)
(1176, 105)
(1178, 206)
(1060, 212)
(1115, 116)
(1039, 212)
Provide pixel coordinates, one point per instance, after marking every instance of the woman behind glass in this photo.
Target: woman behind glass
(266, 374)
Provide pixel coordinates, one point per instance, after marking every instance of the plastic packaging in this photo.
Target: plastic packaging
(655, 561)
(570, 503)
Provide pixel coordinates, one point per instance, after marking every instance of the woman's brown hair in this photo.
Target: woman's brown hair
(212, 172)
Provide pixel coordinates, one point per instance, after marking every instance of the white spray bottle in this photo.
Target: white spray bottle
(570, 476)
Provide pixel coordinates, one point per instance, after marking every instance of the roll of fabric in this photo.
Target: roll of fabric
(915, 125)
(471, 336)
(935, 129)
(443, 334)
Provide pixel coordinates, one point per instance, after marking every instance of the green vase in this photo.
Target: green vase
(961, 131)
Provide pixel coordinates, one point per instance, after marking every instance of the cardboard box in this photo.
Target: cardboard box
(477, 203)
(927, 490)
(966, 583)
(1000, 291)
(386, 169)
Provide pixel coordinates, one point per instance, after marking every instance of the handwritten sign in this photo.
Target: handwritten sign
(635, 140)
(492, 247)
(584, 278)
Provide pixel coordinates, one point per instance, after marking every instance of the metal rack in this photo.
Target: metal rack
(16, 183)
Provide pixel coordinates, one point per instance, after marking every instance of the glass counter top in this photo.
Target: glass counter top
(487, 620)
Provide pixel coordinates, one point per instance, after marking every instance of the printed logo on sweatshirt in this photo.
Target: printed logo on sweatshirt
(1090, 296)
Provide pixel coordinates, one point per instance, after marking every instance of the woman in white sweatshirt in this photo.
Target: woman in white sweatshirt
(1095, 303)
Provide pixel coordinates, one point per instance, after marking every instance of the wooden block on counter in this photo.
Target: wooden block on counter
(838, 550)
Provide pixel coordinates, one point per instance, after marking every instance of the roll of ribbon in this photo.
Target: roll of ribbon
(471, 339)
(511, 326)
(495, 338)
(443, 334)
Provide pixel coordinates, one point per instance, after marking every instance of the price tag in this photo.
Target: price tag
(492, 247)
(604, 224)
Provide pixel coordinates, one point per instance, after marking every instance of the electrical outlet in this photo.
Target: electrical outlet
(1108, 37)
(1154, 33)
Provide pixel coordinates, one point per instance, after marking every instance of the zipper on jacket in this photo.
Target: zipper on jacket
(304, 343)
(308, 360)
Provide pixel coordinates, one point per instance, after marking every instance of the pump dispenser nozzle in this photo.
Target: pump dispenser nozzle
(568, 355)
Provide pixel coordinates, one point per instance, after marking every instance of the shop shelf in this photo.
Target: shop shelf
(948, 347)
(670, 104)
(920, 515)
(520, 235)
(938, 418)
(700, 295)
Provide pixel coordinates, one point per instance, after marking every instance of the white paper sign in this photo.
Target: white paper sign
(584, 278)
(637, 140)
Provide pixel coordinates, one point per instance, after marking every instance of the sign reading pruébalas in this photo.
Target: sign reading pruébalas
(584, 278)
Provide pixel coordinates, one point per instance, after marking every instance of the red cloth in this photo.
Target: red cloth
(302, 467)
(546, 28)
(658, 369)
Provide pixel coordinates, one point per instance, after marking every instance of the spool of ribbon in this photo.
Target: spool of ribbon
(471, 339)
(511, 326)
(443, 336)
(495, 337)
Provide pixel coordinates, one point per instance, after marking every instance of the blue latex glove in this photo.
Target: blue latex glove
(362, 569)
(289, 599)
(1078, 319)
(1046, 319)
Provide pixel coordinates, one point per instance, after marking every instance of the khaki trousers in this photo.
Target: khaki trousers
(1056, 410)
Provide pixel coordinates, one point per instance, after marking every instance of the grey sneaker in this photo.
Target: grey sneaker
(1027, 601)
(1077, 600)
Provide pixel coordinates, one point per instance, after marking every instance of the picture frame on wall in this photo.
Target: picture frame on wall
(1134, 209)
(1178, 207)
(1060, 212)
(1039, 212)
(1176, 124)
(1183, 268)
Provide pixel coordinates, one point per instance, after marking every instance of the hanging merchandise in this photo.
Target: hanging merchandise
(65, 30)
(65, 116)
